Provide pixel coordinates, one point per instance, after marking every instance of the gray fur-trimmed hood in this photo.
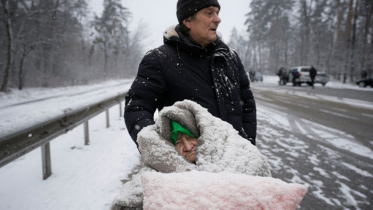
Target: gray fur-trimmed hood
(220, 147)
(171, 32)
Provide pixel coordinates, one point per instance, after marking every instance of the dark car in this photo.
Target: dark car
(365, 82)
(258, 76)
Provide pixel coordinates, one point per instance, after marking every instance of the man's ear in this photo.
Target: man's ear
(186, 22)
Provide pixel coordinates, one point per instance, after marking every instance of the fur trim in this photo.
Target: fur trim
(170, 32)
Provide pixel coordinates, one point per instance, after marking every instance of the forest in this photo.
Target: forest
(335, 36)
(50, 43)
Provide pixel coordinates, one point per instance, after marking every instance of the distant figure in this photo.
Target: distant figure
(364, 74)
(282, 74)
(313, 73)
(295, 76)
(252, 75)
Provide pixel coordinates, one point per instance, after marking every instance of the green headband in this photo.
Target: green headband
(176, 128)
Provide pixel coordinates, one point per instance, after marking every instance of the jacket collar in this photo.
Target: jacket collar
(174, 36)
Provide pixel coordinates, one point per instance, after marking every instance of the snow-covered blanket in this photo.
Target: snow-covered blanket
(205, 190)
(220, 148)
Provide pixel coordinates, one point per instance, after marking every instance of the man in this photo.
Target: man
(193, 64)
(313, 73)
(295, 76)
(281, 74)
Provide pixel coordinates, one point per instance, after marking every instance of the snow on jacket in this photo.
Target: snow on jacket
(220, 148)
(180, 69)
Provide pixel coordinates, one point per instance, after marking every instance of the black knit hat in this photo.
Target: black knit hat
(186, 8)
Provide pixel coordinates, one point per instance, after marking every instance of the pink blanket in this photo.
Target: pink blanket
(204, 190)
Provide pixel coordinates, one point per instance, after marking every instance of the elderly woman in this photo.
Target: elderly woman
(187, 137)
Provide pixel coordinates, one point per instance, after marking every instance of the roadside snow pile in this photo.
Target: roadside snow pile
(204, 190)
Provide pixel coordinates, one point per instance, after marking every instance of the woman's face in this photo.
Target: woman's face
(187, 145)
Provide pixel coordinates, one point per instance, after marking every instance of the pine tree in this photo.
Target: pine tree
(112, 32)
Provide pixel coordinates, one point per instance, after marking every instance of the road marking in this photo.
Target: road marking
(338, 109)
(367, 115)
(358, 170)
(339, 114)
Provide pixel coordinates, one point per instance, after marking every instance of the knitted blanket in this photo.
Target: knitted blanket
(224, 190)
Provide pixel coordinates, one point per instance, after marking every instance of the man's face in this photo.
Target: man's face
(187, 145)
(204, 25)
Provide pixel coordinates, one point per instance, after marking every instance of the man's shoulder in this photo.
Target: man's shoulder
(161, 50)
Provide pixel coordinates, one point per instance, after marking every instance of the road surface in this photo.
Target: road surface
(321, 138)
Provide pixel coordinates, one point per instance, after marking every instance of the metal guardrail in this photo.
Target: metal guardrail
(18, 144)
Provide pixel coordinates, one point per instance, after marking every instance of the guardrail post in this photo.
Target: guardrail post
(86, 133)
(46, 160)
(107, 118)
(120, 109)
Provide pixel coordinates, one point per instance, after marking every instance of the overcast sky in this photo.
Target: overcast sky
(158, 15)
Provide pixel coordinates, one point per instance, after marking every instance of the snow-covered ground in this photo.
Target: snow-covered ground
(83, 177)
(20, 109)
(88, 177)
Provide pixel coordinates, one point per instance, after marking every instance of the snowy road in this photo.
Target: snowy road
(325, 144)
(312, 137)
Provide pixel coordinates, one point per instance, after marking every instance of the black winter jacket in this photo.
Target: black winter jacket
(180, 69)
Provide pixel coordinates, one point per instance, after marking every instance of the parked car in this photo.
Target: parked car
(322, 78)
(304, 74)
(365, 82)
(258, 76)
(255, 76)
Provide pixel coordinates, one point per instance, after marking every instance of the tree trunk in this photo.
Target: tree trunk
(369, 6)
(318, 47)
(21, 74)
(259, 41)
(105, 60)
(330, 54)
(339, 23)
(306, 47)
(347, 41)
(286, 49)
(10, 45)
(48, 48)
(352, 62)
(364, 46)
